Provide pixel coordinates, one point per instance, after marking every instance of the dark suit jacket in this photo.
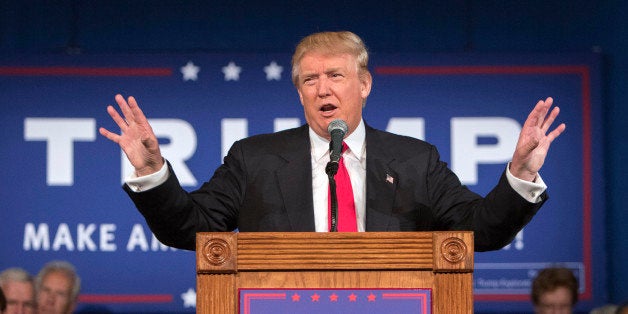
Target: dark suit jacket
(265, 184)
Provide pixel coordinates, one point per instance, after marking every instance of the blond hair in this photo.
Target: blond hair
(331, 43)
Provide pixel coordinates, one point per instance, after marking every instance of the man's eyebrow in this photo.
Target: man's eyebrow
(308, 75)
(331, 70)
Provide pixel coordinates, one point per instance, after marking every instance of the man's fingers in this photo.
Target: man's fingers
(110, 135)
(533, 115)
(556, 132)
(124, 107)
(541, 109)
(132, 103)
(537, 115)
(117, 118)
(138, 114)
(550, 119)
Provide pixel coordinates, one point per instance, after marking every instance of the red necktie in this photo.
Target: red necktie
(344, 193)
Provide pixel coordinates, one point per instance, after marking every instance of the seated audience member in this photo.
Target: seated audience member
(554, 290)
(19, 291)
(57, 286)
(622, 308)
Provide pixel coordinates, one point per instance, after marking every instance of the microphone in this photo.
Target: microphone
(337, 129)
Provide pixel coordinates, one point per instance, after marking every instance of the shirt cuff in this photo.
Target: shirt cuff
(530, 191)
(145, 183)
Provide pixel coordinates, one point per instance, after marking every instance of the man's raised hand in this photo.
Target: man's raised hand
(136, 138)
(534, 140)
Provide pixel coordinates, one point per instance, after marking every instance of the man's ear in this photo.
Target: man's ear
(300, 96)
(366, 81)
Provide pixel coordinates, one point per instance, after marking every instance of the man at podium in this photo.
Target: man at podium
(384, 182)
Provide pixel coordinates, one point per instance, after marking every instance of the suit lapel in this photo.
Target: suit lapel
(381, 183)
(295, 181)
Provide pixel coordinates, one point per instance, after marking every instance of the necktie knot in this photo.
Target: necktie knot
(344, 147)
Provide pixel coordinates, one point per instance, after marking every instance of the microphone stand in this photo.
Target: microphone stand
(331, 169)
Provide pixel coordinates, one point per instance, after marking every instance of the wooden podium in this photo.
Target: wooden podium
(440, 261)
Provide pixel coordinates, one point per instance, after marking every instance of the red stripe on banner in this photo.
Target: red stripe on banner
(83, 71)
(587, 170)
(480, 69)
(502, 297)
(125, 298)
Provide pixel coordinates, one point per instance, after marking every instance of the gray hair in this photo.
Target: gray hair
(15, 274)
(62, 267)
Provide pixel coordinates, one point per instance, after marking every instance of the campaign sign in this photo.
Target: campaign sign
(61, 194)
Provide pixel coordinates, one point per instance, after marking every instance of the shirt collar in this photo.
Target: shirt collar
(355, 141)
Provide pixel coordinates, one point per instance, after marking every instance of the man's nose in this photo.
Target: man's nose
(323, 87)
(50, 298)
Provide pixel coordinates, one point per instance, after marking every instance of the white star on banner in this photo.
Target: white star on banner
(190, 71)
(273, 71)
(231, 71)
(189, 298)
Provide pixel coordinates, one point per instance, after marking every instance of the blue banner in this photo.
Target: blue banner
(61, 195)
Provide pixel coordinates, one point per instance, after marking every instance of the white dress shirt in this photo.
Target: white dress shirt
(355, 162)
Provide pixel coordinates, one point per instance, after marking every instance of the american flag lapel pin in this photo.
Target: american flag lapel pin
(390, 179)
